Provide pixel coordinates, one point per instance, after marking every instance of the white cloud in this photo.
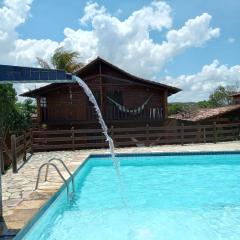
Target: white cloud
(198, 86)
(91, 10)
(126, 43)
(12, 15)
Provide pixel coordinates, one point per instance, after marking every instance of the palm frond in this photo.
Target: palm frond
(43, 63)
(62, 59)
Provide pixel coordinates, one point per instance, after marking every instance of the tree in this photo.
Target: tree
(204, 104)
(174, 108)
(62, 59)
(13, 115)
(221, 96)
(7, 107)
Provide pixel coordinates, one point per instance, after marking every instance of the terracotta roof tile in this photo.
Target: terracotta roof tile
(202, 114)
(236, 94)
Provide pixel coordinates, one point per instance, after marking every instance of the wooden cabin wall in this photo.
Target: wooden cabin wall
(236, 99)
(68, 104)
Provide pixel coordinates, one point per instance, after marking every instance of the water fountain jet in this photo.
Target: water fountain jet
(93, 100)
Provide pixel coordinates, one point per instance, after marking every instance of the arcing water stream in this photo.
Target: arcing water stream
(92, 99)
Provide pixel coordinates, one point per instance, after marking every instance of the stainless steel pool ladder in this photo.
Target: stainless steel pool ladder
(49, 163)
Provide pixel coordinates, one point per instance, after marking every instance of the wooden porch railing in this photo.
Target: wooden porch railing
(113, 113)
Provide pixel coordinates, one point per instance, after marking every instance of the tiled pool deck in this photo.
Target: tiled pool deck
(21, 202)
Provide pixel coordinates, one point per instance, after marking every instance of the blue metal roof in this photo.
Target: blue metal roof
(15, 74)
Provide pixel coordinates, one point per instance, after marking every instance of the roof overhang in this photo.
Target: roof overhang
(171, 89)
(235, 95)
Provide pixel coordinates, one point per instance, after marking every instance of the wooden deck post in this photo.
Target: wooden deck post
(147, 136)
(73, 139)
(24, 147)
(215, 132)
(31, 141)
(14, 155)
(165, 106)
(182, 133)
(204, 135)
(1, 159)
(112, 133)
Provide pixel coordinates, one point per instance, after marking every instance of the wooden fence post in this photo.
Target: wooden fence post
(234, 133)
(31, 141)
(14, 154)
(204, 135)
(1, 159)
(238, 132)
(73, 139)
(215, 132)
(24, 147)
(147, 136)
(182, 133)
(112, 132)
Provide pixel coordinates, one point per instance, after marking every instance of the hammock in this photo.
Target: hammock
(126, 110)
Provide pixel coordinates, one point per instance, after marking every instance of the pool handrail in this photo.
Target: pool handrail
(66, 168)
(58, 171)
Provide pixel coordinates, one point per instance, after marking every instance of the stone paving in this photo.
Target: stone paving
(21, 202)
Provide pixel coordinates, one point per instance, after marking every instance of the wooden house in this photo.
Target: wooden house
(124, 99)
(236, 98)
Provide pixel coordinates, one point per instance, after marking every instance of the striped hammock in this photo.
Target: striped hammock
(137, 110)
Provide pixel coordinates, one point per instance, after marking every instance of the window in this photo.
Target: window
(43, 105)
(43, 102)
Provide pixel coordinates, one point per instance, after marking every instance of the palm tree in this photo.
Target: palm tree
(62, 59)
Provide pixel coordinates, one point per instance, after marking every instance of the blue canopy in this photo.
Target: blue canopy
(15, 74)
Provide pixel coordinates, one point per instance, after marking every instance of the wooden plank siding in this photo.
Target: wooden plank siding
(64, 106)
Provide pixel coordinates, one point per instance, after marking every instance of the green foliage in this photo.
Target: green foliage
(13, 115)
(221, 97)
(174, 108)
(7, 106)
(204, 104)
(24, 113)
(62, 59)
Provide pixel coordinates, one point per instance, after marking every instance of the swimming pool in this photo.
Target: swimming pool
(169, 196)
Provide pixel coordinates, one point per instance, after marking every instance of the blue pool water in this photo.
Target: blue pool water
(170, 197)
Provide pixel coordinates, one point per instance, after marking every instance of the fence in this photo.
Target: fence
(20, 145)
(47, 140)
(140, 136)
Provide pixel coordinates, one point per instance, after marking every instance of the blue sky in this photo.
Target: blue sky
(210, 57)
(49, 18)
